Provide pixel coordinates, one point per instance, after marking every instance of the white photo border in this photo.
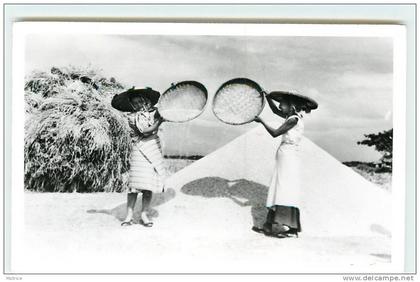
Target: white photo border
(21, 30)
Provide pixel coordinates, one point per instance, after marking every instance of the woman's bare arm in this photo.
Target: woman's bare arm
(275, 132)
(153, 127)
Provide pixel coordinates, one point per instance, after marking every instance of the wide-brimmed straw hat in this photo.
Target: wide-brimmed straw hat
(122, 101)
(302, 101)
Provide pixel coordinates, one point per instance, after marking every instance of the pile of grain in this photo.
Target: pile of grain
(74, 139)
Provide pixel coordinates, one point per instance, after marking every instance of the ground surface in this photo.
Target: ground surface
(82, 233)
(383, 180)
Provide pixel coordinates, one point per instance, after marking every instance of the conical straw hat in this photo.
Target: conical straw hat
(122, 101)
(301, 100)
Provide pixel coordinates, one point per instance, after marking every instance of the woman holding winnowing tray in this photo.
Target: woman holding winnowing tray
(146, 160)
(241, 100)
(182, 102)
(283, 218)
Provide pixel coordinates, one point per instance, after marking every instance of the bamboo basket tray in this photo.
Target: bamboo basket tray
(238, 101)
(183, 101)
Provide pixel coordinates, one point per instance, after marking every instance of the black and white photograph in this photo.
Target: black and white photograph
(208, 148)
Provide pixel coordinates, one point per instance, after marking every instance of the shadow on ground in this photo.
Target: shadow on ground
(241, 191)
(120, 211)
(386, 257)
(380, 229)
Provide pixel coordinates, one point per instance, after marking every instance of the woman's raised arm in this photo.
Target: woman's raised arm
(286, 126)
(154, 127)
(149, 130)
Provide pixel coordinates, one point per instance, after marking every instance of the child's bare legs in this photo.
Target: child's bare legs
(146, 200)
(131, 202)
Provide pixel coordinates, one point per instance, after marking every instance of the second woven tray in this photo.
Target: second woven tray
(238, 101)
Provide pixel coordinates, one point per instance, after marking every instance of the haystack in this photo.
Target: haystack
(74, 139)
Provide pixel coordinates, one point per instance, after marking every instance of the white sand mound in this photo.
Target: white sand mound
(336, 200)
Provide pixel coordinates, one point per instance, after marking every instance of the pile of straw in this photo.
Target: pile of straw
(74, 139)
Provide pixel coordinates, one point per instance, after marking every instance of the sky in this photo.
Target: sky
(351, 78)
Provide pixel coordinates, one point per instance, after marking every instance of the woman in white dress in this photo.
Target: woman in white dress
(283, 218)
(146, 160)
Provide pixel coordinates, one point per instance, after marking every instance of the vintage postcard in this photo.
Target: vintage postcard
(208, 148)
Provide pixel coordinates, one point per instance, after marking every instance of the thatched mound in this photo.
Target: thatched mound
(74, 139)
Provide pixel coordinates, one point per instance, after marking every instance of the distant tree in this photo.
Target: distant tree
(382, 142)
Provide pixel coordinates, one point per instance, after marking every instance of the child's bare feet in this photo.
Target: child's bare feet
(144, 219)
(127, 222)
(131, 202)
(128, 219)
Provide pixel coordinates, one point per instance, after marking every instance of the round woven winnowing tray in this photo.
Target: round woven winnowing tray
(183, 101)
(238, 101)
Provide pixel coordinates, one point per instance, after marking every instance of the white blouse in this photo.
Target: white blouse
(294, 135)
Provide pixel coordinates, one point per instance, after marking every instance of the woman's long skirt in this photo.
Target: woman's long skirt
(284, 192)
(146, 166)
(279, 215)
